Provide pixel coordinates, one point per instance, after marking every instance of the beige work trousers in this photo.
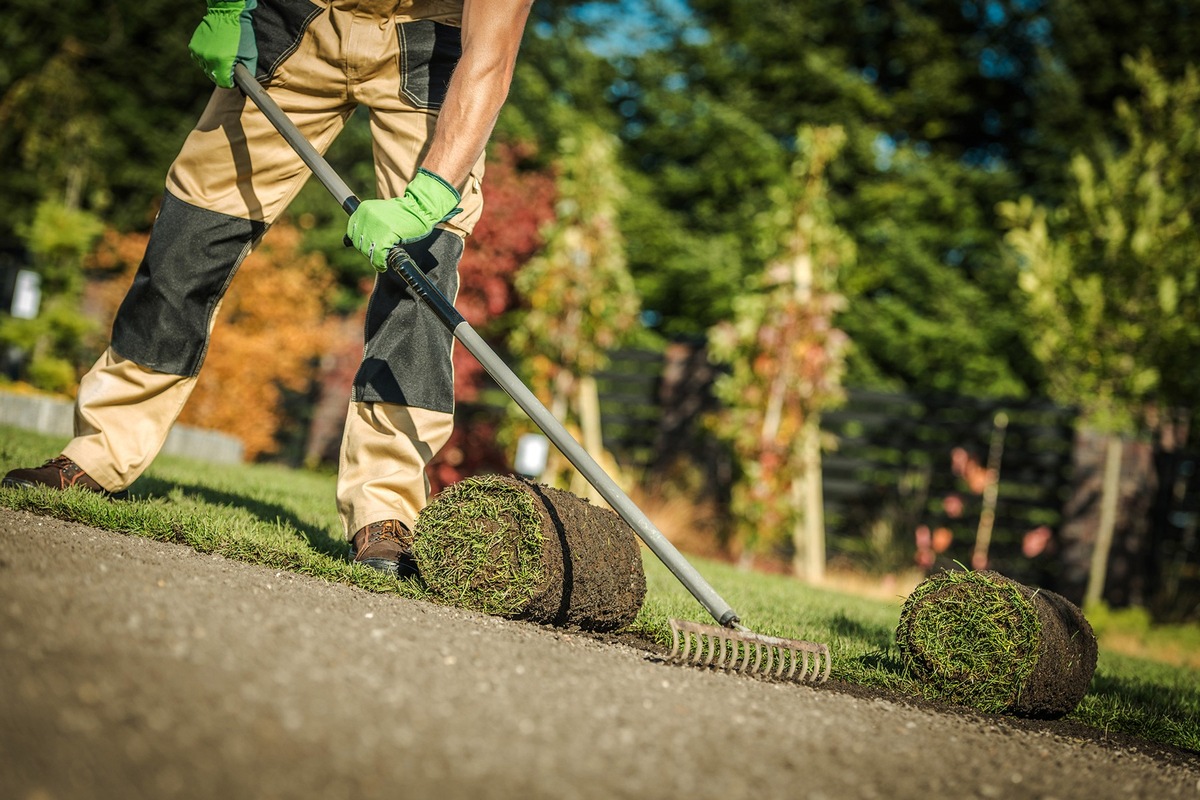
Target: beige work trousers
(234, 163)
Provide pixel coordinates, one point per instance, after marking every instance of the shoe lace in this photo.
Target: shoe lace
(64, 465)
(389, 531)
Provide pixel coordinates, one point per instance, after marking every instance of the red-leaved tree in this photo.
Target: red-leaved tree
(518, 203)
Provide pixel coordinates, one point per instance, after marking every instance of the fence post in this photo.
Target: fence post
(808, 538)
(1110, 494)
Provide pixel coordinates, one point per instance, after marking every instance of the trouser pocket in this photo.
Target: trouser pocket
(278, 27)
(429, 51)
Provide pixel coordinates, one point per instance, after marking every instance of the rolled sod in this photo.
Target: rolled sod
(513, 548)
(986, 641)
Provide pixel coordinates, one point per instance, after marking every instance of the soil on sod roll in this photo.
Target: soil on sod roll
(987, 641)
(510, 547)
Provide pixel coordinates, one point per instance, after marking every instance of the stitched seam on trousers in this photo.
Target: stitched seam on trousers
(412, 98)
(214, 303)
(289, 51)
(355, 391)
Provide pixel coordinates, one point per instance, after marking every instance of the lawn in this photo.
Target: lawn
(285, 519)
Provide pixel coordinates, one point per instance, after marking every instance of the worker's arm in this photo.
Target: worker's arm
(491, 36)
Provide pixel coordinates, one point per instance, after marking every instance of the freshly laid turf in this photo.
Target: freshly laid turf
(982, 640)
(287, 519)
(510, 547)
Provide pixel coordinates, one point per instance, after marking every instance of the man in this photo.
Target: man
(435, 74)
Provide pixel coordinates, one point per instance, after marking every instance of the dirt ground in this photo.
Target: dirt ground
(131, 668)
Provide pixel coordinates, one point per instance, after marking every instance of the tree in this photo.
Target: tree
(1110, 275)
(580, 299)
(54, 342)
(1081, 75)
(1111, 279)
(709, 124)
(785, 362)
(131, 97)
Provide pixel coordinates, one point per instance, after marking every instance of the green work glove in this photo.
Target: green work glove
(377, 226)
(224, 38)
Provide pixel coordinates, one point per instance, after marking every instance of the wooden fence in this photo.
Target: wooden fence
(890, 462)
(901, 466)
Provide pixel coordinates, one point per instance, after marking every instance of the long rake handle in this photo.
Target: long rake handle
(400, 261)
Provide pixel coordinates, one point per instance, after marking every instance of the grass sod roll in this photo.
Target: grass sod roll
(509, 547)
(986, 641)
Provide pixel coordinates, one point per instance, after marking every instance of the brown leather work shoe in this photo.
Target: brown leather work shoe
(385, 546)
(59, 472)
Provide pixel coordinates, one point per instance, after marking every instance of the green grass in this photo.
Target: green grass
(466, 555)
(974, 640)
(286, 519)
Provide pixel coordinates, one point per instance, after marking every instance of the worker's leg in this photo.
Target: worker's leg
(233, 177)
(401, 412)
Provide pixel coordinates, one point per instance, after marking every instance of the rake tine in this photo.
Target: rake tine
(740, 650)
(747, 649)
(687, 646)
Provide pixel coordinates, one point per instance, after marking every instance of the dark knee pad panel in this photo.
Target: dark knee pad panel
(407, 360)
(193, 253)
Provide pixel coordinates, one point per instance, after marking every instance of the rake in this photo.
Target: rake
(728, 645)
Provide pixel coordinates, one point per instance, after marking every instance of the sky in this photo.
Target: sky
(630, 27)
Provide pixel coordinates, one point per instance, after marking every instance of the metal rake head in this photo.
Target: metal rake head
(739, 650)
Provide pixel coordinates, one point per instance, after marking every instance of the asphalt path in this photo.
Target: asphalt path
(131, 668)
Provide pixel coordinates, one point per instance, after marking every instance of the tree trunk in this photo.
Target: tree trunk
(590, 427)
(1110, 494)
(987, 519)
(808, 537)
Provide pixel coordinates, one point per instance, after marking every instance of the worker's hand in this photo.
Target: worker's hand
(225, 37)
(377, 226)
